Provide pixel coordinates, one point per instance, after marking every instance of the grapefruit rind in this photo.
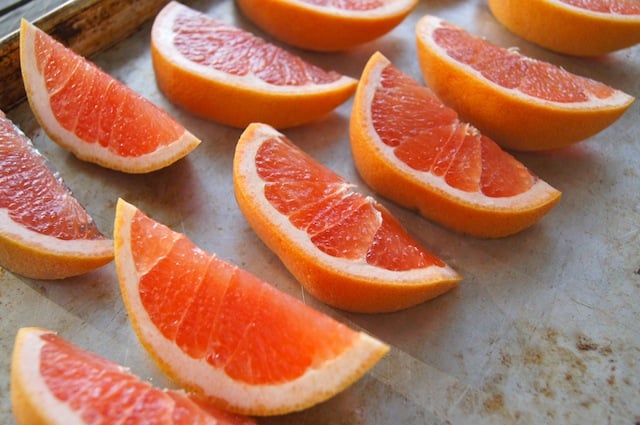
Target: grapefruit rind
(236, 100)
(315, 386)
(31, 399)
(346, 284)
(342, 29)
(37, 256)
(38, 97)
(35, 402)
(532, 124)
(471, 213)
(567, 29)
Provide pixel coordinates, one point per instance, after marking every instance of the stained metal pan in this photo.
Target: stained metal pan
(543, 328)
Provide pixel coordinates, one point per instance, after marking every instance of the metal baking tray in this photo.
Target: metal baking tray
(543, 328)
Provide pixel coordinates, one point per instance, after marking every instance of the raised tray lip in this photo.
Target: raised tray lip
(74, 23)
(531, 323)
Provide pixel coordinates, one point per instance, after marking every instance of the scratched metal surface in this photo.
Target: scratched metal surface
(542, 329)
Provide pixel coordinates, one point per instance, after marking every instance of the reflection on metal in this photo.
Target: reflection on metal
(86, 26)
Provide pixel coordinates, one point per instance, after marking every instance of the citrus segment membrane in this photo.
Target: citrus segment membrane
(93, 115)
(452, 151)
(226, 74)
(343, 247)
(219, 46)
(548, 107)
(411, 148)
(45, 233)
(55, 382)
(574, 27)
(339, 221)
(24, 175)
(619, 7)
(224, 333)
(507, 68)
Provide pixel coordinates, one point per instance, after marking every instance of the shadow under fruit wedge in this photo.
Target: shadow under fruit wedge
(327, 25)
(44, 231)
(346, 249)
(55, 382)
(522, 103)
(574, 27)
(411, 148)
(228, 75)
(93, 115)
(226, 335)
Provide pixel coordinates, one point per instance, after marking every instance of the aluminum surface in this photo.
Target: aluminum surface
(543, 327)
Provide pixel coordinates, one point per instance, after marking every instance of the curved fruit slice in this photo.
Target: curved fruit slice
(344, 248)
(230, 76)
(44, 231)
(93, 115)
(55, 382)
(522, 103)
(574, 27)
(327, 25)
(225, 334)
(412, 149)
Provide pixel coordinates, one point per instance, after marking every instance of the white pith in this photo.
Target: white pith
(428, 24)
(27, 362)
(86, 248)
(28, 365)
(390, 8)
(357, 269)
(93, 152)
(162, 35)
(315, 385)
(539, 192)
(594, 14)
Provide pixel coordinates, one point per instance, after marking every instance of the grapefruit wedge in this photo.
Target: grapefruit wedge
(327, 25)
(345, 248)
(44, 231)
(574, 27)
(522, 103)
(411, 148)
(54, 382)
(230, 76)
(93, 115)
(223, 333)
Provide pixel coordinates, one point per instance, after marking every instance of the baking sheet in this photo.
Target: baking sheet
(543, 327)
